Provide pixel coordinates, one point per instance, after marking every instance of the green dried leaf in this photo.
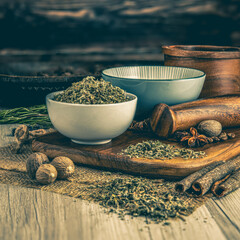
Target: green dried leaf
(92, 91)
(157, 150)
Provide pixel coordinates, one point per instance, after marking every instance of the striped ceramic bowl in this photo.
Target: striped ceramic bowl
(157, 84)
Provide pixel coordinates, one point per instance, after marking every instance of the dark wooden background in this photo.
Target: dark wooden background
(121, 30)
(91, 35)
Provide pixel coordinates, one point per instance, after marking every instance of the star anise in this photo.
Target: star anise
(194, 139)
(143, 126)
(178, 135)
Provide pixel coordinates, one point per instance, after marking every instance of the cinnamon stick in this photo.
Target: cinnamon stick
(217, 183)
(187, 182)
(231, 184)
(203, 184)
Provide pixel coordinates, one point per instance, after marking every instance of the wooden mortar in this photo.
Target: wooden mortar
(166, 120)
(221, 65)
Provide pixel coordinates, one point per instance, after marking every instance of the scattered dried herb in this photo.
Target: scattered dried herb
(92, 91)
(157, 150)
(142, 197)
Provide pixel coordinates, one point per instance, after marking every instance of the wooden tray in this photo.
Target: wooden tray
(105, 156)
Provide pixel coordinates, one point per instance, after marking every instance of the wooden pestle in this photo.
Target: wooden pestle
(166, 120)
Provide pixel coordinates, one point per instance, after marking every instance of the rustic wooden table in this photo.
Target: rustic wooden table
(101, 33)
(33, 214)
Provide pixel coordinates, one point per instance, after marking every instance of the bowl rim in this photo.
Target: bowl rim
(153, 80)
(202, 51)
(50, 95)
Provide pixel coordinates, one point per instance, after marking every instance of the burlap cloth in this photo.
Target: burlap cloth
(13, 172)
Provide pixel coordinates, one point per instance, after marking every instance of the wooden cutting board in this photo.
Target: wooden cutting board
(105, 156)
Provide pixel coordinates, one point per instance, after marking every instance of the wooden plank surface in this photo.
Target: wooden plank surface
(227, 217)
(33, 214)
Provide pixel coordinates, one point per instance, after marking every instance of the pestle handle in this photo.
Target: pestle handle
(166, 120)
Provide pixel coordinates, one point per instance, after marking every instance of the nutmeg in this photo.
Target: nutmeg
(34, 161)
(210, 128)
(65, 167)
(46, 174)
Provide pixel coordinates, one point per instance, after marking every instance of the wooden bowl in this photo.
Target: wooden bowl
(18, 91)
(220, 63)
(28, 83)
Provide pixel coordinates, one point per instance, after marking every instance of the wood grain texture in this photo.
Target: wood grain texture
(33, 214)
(106, 156)
(226, 213)
(41, 24)
(221, 65)
(166, 120)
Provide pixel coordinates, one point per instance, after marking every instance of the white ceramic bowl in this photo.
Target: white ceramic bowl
(157, 84)
(91, 123)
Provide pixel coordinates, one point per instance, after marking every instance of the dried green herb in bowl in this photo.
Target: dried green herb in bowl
(92, 111)
(157, 150)
(92, 91)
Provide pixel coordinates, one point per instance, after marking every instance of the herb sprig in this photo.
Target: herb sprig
(35, 115)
